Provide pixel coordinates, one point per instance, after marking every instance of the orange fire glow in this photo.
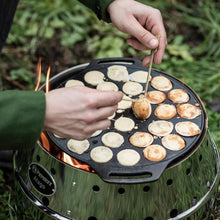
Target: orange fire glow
(47, 80)
(52, 148)
(59, 154)
(38, 74)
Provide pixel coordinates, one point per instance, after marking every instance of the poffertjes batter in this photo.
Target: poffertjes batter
(128, 157)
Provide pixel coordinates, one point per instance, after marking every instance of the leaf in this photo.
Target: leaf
(32, 30)
(49, 32)
(57, 23)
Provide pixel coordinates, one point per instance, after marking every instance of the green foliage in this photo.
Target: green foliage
(206, 19)
(43, 20)
(7, 210)
(178, 49)
(50, 27)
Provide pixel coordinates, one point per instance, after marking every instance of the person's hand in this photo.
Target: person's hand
(143, 23)
(77, 112)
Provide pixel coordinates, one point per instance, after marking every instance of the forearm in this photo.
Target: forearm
(22, 116)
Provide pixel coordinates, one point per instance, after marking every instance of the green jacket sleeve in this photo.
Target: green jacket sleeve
(21, 118)
(99, 7)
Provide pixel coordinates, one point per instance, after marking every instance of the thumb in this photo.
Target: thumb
(139, 32)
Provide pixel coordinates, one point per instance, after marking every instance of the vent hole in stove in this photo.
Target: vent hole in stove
(200, 157)
(92, 218)
(146, 189)
(95, 188)
(173, 213)
(169, 182)
(149, 218)
(53, 171)
(121, 190)
(188, 171)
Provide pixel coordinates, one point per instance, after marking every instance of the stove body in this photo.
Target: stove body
(185, 191)
(47, 187)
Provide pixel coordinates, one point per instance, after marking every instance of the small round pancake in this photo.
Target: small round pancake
(188, 111)
(161, 83)
(141, 108)
(160, 128)
(187, 128)
(125, 103)
(165, 111)
(128, 157)
(78, 147)
(94, 77)
(96, 133)
(101, 154)
(124, 124)
(139, 76)
(107, 86)
(155, 152)
(173, 142)
(117, 73)
(132, 88)
(112, 139)
(178, 96)
(73, 82)
(141, 139)
(155, 97)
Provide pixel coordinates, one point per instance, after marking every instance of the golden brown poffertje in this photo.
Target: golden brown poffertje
(155, 152)
(165, 111)
(188, 111)
(155, 97)
(141, 108)
(141, 139)
(173, 142)
(178, 96)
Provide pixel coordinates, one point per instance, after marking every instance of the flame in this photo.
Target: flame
(47, 80)
(59, 154)
(39, 77)
(45, 141)
(38, 74)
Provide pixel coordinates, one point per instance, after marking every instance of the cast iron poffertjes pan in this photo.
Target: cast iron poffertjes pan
(145, 170)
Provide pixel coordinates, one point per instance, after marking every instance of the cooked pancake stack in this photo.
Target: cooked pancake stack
(149, 128)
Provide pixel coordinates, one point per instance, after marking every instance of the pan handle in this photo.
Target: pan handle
(148, 173)
(114, 61)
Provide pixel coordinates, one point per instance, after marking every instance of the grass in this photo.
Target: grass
(64, 33)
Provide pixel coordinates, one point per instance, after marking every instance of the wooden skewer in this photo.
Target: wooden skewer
(150, 66)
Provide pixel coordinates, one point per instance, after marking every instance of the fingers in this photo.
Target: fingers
(106, 98)
(136, 44)
(141, 34)
(146, 61)
(143, 23)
